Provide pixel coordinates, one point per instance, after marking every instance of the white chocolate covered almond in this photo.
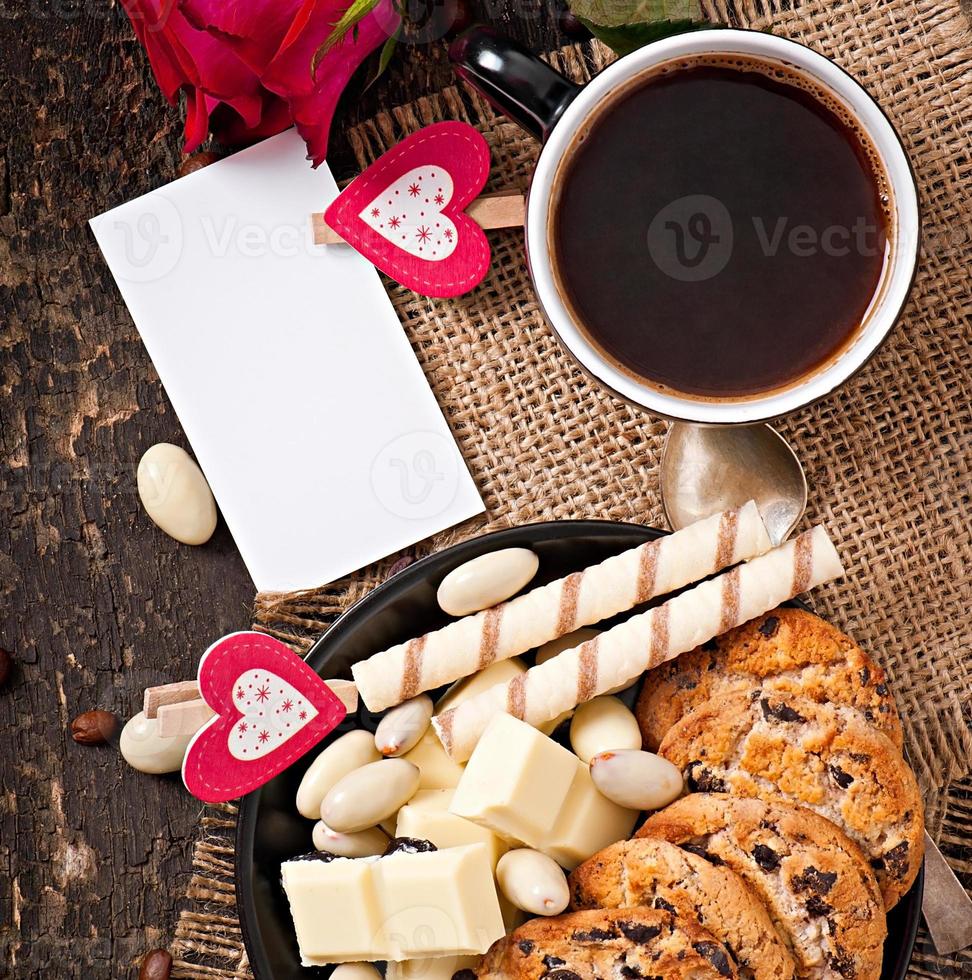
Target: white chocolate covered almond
(365, 843)
(145, 750)
(533, 882)
(356, 971)
(403, 727)
(175, 494)
(602, 724)
(342, 756)
(487, 580)
(637, 780)
(369, 795)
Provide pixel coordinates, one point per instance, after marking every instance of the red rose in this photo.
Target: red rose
(246, 65)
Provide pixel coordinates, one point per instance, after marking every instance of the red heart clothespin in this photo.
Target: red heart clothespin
(271, 709)
(406, 212)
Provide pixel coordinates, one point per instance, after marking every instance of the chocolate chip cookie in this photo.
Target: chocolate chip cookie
(639, 943)
(816, 885)
(822, 756)
(787, 650)
(651, 872)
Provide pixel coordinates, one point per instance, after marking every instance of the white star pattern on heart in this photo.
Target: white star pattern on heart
(272, 710)
(409, 214)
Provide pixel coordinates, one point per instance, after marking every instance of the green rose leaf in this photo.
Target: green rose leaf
(629, 37)
(621, 13)
(626, 25)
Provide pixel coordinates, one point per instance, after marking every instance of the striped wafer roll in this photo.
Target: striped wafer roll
(619, 655)
(599, 592)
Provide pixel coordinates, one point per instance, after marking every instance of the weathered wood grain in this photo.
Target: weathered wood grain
(95, 602)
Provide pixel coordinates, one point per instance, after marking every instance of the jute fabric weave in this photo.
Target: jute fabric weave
(887, 458)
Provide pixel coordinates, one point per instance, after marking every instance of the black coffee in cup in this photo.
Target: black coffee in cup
(720, 227)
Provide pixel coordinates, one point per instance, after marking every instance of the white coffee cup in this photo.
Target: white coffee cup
(555, 110)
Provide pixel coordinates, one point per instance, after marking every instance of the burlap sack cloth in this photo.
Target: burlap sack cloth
(888, 458)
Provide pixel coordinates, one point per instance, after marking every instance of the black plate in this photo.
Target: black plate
(270, 829)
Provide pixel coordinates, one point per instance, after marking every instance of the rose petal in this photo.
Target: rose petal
(313, 99)
(253, 29)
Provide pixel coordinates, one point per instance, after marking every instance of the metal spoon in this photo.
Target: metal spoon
(706, 469)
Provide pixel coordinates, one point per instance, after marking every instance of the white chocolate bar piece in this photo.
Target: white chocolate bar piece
(399, 907)
(619, 655)
(427, 817)
(436, 769)
(580, 599)
(529, 790)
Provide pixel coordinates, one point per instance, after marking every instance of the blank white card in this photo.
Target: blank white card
(288, 368)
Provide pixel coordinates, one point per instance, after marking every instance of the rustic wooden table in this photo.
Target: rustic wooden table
(95, 602)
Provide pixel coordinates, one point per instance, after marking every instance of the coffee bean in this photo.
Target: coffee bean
(401, 565)
(156, 965)
(196, 162)
(94, 727)
(6, 667)
(573, 27)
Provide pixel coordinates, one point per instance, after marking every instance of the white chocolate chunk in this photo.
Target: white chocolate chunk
(515, 782)
(175, 494)
(544, 613)
(436, 769)
(531, 791)
(619, 655)
(427, 817)
(399, 907)
(329, 929)
(496, 673)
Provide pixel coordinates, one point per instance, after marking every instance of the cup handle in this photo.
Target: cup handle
(512, 79)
